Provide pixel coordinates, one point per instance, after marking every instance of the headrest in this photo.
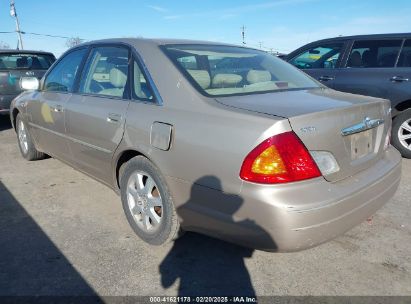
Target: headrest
(368, 60)
(201, 77)
(117, 78)
(22, 62)
(254, 76)
(355, 59)
(35, 63)
(226, 80)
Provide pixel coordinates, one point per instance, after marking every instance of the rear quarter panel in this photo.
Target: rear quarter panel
(208, 139)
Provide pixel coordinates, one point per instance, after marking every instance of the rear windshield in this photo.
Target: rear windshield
(10, 61)
(228, 70)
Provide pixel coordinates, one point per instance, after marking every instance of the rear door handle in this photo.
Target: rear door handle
(113, 117)
(398, 79)
(57, 108)
(326, 78)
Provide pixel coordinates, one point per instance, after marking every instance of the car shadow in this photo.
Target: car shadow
(30, 264)
(206, 266)
(5, 123)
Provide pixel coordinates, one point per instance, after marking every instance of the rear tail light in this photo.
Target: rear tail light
(282, 158)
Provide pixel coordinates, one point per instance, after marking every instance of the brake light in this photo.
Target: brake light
(282, 158)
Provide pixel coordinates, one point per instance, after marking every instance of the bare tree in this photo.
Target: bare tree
(73, 41)
(4, 45)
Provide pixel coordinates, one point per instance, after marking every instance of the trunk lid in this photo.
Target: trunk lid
(320, 116)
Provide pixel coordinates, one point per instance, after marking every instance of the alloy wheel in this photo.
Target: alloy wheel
(22, 134)
(404, 134)
(144, 201)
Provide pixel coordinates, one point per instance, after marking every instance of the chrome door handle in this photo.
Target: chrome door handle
(326, 78)
(57, 108)
(113, 117)
(398, 79)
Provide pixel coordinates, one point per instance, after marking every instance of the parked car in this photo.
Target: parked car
(372, 65)
(15, 64)
(269, 159)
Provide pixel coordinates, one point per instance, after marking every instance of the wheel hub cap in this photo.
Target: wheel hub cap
(144, 201)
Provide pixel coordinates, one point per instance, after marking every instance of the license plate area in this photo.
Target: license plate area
(361, 144)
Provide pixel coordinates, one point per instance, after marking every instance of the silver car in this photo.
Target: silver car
(214, 138)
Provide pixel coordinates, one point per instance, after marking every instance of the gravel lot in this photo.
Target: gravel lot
(62, 233)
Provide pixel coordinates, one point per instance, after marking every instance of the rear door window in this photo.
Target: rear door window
(374, 54)
(319, 57)
(405, 56)
(106, 72)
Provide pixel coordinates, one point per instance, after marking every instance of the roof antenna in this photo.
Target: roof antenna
(243, 33)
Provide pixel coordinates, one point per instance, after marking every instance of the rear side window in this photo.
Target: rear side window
(62, 76)
(374, 54)
(319, 57)
(12, 61)
(188, 62)
(141, 89)
(405, 56)
(106, 72)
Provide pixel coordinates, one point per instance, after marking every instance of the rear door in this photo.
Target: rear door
(369, 68)
(400, 79)
(95, 115)
(47, 110)
(320, 61)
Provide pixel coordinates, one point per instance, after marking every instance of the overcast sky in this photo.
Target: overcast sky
(281, 25)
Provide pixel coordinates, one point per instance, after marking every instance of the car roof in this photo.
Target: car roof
(14, 51)
(369, 36)
(153, 41)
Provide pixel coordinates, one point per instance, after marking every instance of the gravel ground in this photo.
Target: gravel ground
(62, 233)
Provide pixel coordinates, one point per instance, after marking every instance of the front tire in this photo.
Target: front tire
(26, 145)
(147, 202)
(401, 133)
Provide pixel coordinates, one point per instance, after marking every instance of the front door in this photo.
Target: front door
(320, 61)
(47, 110)
(95, 115)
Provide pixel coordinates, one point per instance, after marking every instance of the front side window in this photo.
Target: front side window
(319, 57)
(25, 61)
(106, 72)
(229, 70)
(374, 54)
(405, 56)
(61, 78)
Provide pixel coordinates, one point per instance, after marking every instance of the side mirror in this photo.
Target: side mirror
(29, 83)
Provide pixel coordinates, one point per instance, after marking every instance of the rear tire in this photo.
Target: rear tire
(401, 133)
(26, 145)
(147, 202)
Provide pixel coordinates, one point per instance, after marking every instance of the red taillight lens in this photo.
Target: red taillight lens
(282, 158)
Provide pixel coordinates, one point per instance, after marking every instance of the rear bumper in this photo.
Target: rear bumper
(294, 216)
(5, 101)
(301, 216)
